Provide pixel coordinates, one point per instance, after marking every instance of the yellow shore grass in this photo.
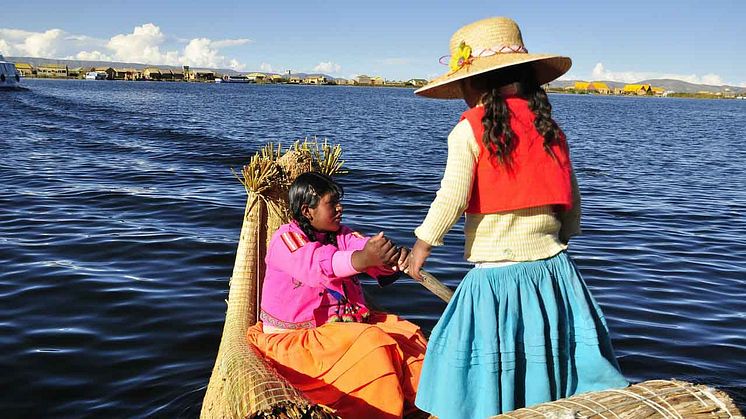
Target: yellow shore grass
(244, 385)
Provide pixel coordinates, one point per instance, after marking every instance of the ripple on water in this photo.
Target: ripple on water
(118, 228)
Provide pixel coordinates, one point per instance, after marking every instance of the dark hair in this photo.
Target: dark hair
(498, 137)
(308, 189)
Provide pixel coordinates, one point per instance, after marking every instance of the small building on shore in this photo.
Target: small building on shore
(51, 70)
(416, 82)
(316, 80)
(167, 74)
(637, 89)
(363, 80)
(275, 78)
(599, 87)
(200, 75)
(103, 70)
(152, 73)
(77, 72)
(25, 69)
(127, 74)
(256, 77)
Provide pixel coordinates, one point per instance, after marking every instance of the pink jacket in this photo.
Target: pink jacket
(308, 283)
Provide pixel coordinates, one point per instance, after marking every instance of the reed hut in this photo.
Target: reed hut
(244, 385)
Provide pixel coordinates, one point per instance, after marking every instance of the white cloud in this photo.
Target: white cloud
(267, 68)
(146, 44)
(602, 73)
(328, 67)
(53, 43)
(90, 56)
(141, 46)
(5, 47)
(712, 79)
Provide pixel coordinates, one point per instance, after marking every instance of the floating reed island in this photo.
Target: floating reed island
(244, 384)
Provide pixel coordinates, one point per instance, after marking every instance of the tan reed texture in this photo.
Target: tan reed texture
(243, 384)
(664, 399)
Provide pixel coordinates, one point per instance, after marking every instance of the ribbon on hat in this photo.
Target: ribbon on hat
(465, 55)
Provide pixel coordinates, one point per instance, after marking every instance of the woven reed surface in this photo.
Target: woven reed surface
(243, 384)
(650, 399)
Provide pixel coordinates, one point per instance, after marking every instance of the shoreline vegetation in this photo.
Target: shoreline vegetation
(187, 74)
(640, 89)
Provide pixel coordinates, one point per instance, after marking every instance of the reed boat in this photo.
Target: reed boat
(244, 385)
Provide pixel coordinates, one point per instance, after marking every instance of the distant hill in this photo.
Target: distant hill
(36, 61)
(677, 86)
(685, 87)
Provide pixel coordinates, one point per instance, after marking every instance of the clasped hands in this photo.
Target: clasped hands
(381, 251)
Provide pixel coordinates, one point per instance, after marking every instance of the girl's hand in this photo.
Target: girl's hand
(420, 252)
(379, 251)
(402, 264)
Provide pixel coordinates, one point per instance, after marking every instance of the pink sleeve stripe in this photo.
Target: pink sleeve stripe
(342, 264)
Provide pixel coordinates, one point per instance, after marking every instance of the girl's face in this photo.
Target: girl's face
(327, 216)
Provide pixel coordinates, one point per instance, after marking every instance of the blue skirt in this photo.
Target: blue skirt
(516, 336)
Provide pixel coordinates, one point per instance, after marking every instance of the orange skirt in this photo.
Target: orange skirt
(362, 370)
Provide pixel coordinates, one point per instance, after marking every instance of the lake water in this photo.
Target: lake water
(119, 219)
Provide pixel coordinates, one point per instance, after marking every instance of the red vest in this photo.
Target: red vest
(533, 177)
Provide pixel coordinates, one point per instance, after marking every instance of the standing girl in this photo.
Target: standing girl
(522, 327)
(315, 325)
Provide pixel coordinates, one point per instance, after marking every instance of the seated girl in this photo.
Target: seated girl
(314, 324)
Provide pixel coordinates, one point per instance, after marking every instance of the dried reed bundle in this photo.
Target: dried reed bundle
(650, 399)
(243, 384)
(327, 156)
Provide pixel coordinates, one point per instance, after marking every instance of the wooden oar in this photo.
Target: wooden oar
(436, 287)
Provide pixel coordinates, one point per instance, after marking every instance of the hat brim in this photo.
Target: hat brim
(547, 68)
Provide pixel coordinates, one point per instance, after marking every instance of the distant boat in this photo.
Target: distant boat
(10, 78)
(233, 79)
(95, 75)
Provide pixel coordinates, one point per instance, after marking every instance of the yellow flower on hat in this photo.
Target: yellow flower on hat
(461, 57)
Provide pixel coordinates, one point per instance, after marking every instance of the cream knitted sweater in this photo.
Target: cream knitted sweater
(522, 235)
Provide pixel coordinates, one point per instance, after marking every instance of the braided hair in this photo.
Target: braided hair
(499, 137)
(308, 189)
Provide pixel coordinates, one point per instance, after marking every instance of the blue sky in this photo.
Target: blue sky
(696, 41)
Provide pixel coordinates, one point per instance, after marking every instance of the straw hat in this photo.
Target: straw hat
(487, 45)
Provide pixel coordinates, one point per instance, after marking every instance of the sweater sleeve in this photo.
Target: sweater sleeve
(453, 196)
(571, 219)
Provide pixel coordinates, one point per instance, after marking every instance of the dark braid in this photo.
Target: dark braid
(539, 104)
(308, 189)
(499, 137)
